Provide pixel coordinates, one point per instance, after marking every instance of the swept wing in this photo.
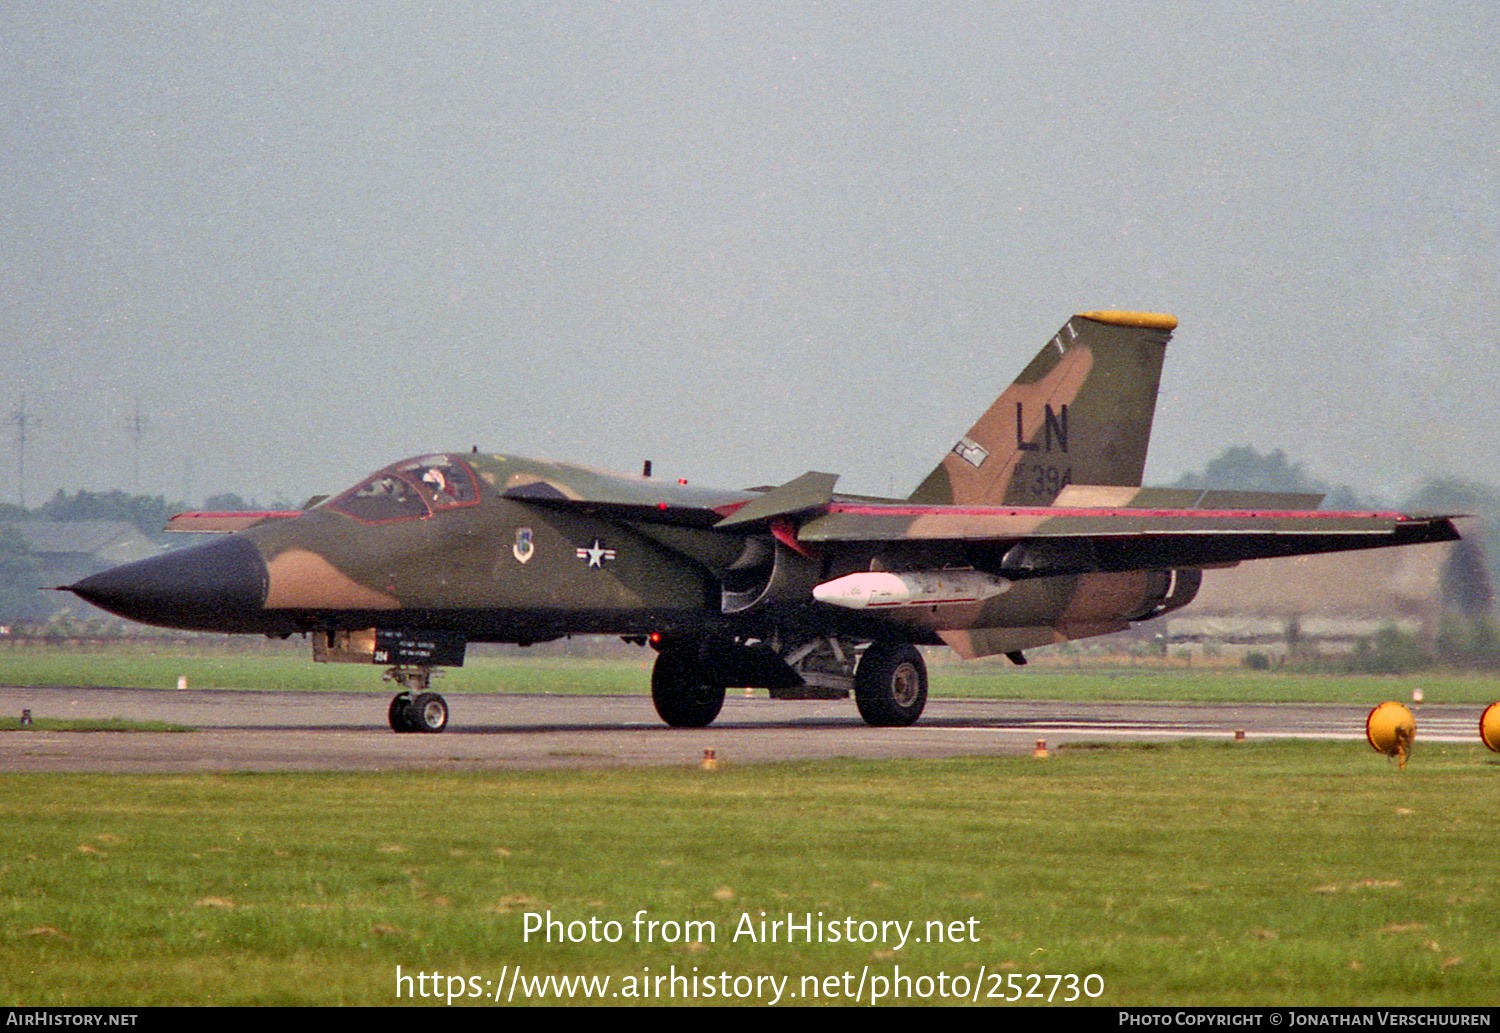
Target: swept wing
(1118, 539)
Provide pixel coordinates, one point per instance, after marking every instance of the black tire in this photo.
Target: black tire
(890, 685)
(400, 722)
(428, 713)
(681, 696)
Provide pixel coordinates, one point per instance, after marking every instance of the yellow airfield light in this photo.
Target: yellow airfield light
(1489, 726)
(1391, 729)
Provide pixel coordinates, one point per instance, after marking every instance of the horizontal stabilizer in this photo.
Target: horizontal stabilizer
(1278, 500)
(812, 491)
(1090, 496)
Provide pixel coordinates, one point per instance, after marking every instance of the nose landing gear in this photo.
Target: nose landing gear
(414, 709)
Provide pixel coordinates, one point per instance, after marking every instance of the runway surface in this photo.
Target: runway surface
(295, 731)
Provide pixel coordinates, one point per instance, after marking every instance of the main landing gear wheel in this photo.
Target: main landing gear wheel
(681, 696)
(397, 714)
(426, 712)
(890, 685)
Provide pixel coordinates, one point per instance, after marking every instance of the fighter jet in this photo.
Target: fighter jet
(1032, 530)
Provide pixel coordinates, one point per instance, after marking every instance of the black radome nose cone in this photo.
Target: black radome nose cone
(220, 586)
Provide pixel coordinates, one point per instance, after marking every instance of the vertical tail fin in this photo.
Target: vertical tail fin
(1080, 413)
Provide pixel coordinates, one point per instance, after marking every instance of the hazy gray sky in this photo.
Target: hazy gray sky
(742, 239)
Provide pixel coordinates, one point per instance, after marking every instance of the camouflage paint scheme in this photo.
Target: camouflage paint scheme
(1043, 491)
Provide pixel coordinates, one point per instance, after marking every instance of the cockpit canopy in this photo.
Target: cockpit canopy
(410, 490)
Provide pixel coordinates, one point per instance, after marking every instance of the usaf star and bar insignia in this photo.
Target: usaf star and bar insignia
(596, 554)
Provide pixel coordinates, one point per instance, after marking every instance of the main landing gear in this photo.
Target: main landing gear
(415, 709)
(890, 685)
(888, 680)
(682, 690)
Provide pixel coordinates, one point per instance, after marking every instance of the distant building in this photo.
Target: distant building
(1327, 603)
(70, 550)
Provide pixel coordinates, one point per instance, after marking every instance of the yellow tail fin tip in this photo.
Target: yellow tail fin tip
(1145, 320)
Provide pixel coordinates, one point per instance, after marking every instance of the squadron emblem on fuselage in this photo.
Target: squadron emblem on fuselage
(524, 548)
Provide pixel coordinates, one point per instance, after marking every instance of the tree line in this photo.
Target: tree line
(1245, 468)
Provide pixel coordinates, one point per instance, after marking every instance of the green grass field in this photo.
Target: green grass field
(141, 666)
(1293, 873)
(88, 724)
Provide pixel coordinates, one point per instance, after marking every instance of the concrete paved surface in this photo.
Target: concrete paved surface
(293, 731)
